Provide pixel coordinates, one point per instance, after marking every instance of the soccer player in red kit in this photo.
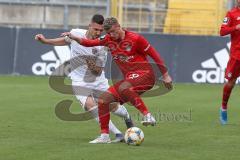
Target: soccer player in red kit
(231, 25)
(129, 51)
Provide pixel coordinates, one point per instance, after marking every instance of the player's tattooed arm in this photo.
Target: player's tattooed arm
(56, 41)
(91, 63)
(70, 36)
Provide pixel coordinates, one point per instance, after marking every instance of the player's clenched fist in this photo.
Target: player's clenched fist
(40, 37)
(167, 80)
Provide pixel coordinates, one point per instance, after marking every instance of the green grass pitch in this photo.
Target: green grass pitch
(187, 129)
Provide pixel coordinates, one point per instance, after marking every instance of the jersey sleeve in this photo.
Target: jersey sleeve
(144, 47)
(227, 27)
(94, 42)
(76, 32)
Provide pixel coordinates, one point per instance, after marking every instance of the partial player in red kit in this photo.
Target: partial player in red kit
(129, 51)
(231, 25)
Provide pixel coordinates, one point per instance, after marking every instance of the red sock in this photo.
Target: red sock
(226, 94)
(104, 116)
(135, 100)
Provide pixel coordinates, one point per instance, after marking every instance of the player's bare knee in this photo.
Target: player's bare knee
(90, 103)
(100, 101)
(106, 99)
(114, 106)
(103, 102)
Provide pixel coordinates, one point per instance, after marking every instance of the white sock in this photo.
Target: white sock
(223, 109)
(94, 113)
(112, 127)
(122, 112)
(105, 135)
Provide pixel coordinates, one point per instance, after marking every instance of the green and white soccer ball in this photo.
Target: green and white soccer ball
(134, 136)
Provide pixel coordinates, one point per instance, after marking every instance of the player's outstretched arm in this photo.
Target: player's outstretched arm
(72, 36)
(56, 41)
(83, 41)
(167, 80)
(146, 48)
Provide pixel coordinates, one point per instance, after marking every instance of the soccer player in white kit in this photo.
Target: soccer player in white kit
(89, 73)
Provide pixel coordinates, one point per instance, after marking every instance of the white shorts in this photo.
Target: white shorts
(83, 90)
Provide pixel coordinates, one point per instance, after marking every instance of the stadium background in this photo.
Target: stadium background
(179, 29)
(185, 32)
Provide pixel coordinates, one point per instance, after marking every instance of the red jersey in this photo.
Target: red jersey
(229, 27)
(130, 54)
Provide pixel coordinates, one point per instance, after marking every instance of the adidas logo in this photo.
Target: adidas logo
(52, 60)
(214, 68)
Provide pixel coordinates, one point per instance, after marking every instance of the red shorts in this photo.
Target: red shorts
(233, 69)
(140, 81)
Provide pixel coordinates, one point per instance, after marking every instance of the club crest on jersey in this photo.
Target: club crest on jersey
(126, 45)
(229, 75)
(102, 37)
(128, 48)
(94, 51)
(225, 20)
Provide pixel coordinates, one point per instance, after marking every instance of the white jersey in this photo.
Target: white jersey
(81, 71)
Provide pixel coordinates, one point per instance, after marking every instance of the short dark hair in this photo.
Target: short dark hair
(98, 18)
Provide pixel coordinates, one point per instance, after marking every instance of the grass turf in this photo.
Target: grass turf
(188, 127)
